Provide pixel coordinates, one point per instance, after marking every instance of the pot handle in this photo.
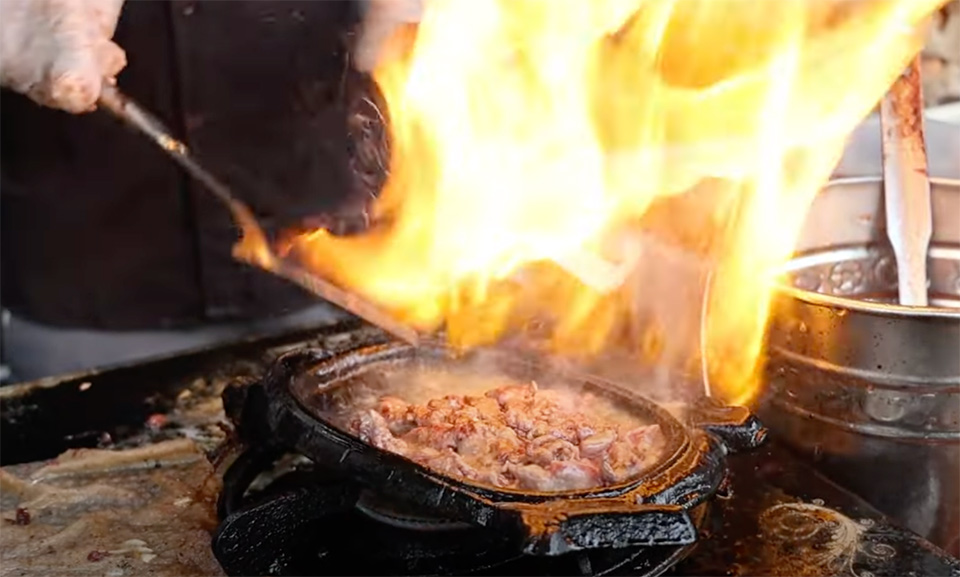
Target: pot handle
(736, 427)
(561, 527)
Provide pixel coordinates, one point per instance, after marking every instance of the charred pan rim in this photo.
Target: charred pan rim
(329, 371)
(653, 509)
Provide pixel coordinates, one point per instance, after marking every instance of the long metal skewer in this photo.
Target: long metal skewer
(906, 184)
(138, 118)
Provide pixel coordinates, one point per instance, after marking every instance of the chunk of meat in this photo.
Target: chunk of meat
(574, 475)
(548, 449)
(372, 428)
(487, 409)
(422, 415)
(517, 396)
(397, 414)
(597, 443)
(533, 477)
(392, 408)
(447, 403)
(498, 443)
(441, 436)
(449, 463)
(561, 476)
(647, 438)
(585, 430)
(621, 462)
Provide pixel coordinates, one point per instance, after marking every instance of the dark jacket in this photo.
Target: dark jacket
(100, 230)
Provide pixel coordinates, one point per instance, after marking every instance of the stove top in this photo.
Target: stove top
(784, 518)
(780, 518)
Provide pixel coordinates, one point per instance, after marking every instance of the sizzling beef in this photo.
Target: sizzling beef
(516, 437)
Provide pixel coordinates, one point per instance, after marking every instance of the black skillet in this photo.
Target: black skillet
(649, 510)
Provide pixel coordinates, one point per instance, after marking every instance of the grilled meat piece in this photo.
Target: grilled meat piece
(373, 428)
(596, 444)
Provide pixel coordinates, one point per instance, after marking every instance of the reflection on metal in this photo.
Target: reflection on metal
(887, 406)
(394, 514)
(704, 311)
(906, 184)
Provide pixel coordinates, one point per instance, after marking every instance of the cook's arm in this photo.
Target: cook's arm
(380, 20)
(58, 52)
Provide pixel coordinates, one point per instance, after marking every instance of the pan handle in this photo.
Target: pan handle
(736, 427)
(561, 527)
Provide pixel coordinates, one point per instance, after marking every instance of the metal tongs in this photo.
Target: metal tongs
(135, 116)
(907, 184)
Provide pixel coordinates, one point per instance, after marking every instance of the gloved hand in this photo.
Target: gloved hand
(381, 19)
(58, 52)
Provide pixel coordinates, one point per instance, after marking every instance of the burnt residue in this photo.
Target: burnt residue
(651, 526)
(906, 99)
(97, 555)
(318, 525)
(21, 517)
(110, 408)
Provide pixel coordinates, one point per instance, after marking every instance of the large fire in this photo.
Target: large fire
(531, 139)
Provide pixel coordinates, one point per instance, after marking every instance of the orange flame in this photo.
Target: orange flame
(532, 137)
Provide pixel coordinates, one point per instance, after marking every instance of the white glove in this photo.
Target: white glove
(381, 19)
(58, 52)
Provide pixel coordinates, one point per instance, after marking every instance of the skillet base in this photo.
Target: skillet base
(318, 524)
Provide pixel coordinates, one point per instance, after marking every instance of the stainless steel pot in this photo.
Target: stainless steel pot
(871, 389)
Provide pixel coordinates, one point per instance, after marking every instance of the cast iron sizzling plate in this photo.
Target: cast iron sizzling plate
(651, 509)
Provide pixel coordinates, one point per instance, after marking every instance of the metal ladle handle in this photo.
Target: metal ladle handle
(135, 116)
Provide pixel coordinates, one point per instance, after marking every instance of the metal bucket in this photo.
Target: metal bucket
(870, 389)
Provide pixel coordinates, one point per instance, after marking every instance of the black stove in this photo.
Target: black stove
(780, 517)
(310, 522)
(283, 514)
